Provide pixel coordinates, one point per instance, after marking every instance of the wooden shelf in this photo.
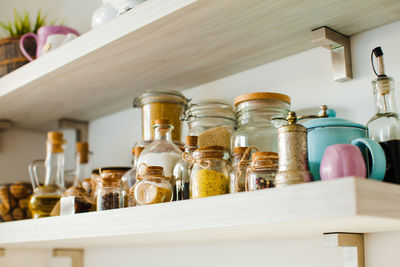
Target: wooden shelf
(173, 44)
(343, 205)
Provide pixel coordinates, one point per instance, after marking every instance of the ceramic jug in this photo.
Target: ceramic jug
(324, 132)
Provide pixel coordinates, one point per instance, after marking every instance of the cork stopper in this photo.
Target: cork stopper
(152, 171)
(238, 153)
(216, 152)
(55, 142)
(265, 159)
(191, 140)
(138, 151)
(82, 149)
(262, 96)
(162, 121)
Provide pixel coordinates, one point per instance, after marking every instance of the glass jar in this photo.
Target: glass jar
(210, 172)
(129, 178)
(256, 116)
(109, 188)
(213, 121)
(152, 186)
(262, 171)
(161, 104)
(183, 169)
(241, 160)
(162, 152)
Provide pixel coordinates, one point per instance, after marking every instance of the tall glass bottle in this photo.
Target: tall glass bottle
(384, 126)
(46, 195)
(162, 151)
(129, 179)
(183, 169)
(82, 170)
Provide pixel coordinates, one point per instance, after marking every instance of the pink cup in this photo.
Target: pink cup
(342, 160)
(41, 38)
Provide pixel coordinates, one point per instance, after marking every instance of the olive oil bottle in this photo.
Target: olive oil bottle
(45, 196)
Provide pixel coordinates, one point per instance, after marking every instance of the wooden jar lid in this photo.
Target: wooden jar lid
(162, 121)
(55, 137)
(265, 159)
(216, 152)
(262, 96)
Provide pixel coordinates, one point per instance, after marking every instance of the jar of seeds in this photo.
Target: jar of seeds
(109, 194)
(262, 171)
(152, 186)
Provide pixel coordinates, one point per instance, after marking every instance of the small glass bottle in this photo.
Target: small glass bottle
(183, 169)
(82, 170)
(152, 186)
(162, 151)
(45, 196)
(109, 190)
(262, 171)
(210, 174)
(238, 173)
(384, 126)
(129, 178)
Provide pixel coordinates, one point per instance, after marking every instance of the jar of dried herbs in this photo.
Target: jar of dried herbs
(262, 171)
(152, 186)
(210, 174)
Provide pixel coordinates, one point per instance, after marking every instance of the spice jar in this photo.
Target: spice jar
(161, 104)
(262, 171)
(109, 195)
(256, 117)
(183, 169)
(213, 121)
(241, 160)
(210, 172)
(152, 186)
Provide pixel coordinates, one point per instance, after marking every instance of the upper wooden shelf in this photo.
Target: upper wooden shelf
(174, 44)
(344, 205)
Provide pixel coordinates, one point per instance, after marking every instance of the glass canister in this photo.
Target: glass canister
(161, 104)
(152, 186)
(256, 117)
(262, 171)
(109, 188)
(210, 174)
(213, 121)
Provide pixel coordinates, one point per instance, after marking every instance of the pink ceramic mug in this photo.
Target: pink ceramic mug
(342, 160)
(41, 38)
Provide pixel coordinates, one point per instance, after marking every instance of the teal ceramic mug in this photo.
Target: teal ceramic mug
(324, 132)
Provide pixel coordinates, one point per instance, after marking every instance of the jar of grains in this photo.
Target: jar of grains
(213, 121)
(152, 186)
(256, 116)
(161, 104)
(210, 174)
(109, 193)
(262, 171)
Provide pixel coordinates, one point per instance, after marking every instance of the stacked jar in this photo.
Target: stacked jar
(258, 115)
(213, 121)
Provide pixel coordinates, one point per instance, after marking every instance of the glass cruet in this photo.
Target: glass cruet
(182, 170)
(162, 151)
(384, 126)
(46, 195)
(82, 169)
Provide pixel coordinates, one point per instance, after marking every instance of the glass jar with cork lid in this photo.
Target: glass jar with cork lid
(257, 115)
(161, 104)
(210, 172)
(152, 186)
(262, 171)
(213, 121)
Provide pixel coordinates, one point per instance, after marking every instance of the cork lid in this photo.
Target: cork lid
(55, 142)
(216, 152)
(191, 140)
(82, 147)
(152, 171)
(138, 151)
(162, 121)
(55, 137)
(113, 172)
(239, 150)
(265, 159)
(262, 96)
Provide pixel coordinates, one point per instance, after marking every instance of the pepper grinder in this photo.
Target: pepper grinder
(293, 155)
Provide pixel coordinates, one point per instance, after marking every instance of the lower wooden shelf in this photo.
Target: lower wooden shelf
(343, 205)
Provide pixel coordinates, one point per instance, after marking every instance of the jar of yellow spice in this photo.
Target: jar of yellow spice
(210, 172)
(152, 186)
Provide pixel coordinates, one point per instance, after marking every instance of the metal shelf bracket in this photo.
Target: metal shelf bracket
(339, 45)
(76, 255)
(352, 246)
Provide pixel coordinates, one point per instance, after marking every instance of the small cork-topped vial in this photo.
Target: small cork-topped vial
(241, 160)
(262, 171)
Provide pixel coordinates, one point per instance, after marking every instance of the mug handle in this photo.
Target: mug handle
(378, 168)
(21, 44)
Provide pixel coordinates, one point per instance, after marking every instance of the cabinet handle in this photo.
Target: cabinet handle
(352, 246)
(76, 255)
